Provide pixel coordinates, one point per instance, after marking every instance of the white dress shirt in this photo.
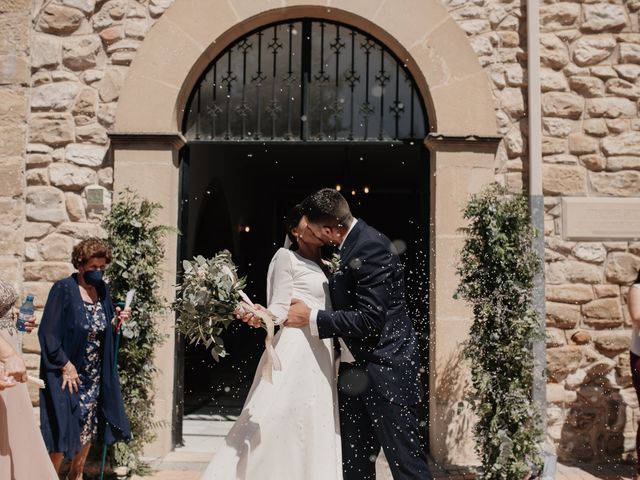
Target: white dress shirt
(345, 355)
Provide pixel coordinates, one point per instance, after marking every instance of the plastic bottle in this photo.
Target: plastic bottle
(26, 310)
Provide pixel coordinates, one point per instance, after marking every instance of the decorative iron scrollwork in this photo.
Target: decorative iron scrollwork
(305, 80)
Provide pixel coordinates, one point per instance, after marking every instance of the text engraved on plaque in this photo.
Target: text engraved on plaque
(600, 218)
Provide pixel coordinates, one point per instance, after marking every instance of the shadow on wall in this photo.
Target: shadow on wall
(453, 399)
(595, 426)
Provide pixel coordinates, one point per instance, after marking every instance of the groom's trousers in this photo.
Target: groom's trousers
(368, 422)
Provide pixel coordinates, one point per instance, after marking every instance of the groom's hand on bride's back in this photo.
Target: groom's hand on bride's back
(298, 315)
(249, 318)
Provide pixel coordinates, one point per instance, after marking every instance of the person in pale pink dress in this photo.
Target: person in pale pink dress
(23, 455)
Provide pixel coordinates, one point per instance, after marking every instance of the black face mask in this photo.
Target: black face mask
(93, 277)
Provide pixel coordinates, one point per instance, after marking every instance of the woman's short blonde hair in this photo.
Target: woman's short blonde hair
(88, 249)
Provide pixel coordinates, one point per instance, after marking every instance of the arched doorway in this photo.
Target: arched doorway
(462, 141)
(284, 110)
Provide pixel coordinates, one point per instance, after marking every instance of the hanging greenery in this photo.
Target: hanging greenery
(497, 269)
(137, 247)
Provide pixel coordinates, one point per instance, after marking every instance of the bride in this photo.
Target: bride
(289, 429)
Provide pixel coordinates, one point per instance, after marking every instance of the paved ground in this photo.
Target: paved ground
(204, 433)
(564, 473)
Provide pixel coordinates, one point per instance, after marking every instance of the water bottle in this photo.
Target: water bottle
(26, 310)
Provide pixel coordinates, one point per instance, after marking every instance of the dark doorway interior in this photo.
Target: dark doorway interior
(235, 197)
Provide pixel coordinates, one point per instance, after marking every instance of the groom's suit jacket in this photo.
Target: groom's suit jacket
(370, 314)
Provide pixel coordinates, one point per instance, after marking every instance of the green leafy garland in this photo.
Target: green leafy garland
(137, 251)
(497, 269)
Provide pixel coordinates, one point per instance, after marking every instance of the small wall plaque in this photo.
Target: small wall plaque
(95, 198)
(600, 218)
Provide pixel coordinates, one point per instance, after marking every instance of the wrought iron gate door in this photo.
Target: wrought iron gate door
(306, 80)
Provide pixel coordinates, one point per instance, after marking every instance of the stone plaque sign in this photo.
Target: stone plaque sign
(600, 218)
(95, 198)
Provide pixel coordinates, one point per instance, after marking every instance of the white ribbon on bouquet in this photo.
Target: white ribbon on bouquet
(272, 361)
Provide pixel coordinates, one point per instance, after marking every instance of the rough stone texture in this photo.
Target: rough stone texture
(46, 51)
(58, 19)
(554, 53)
(81, 53)
(71, 177)
(563, 105)
(611, 107)
(600, 17)
(619, 184)
(86, 104)
(45, 204)
(593, 49)
(624, 144)
(590, 252)
(605, 308)
(109, 86)
(54, 96)
(622, 268)
(92, 134)
(612, 343)
(87, 155)
(47, 271)
(587, 86)
(564, 179)
(562, 361)
(563, 316)
(75, 207)
(580, 144)
(51, 129)
(569, 293)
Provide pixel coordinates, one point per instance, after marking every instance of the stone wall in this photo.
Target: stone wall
(15, 20)
(591, 147)
(497, 33)
(590, 79)
(14, 107)
(79, 55)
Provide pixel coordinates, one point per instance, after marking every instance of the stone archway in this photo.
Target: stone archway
(146, 140)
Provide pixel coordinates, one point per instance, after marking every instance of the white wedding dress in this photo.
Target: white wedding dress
(288, 429)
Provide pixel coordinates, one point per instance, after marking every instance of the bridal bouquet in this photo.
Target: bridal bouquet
(206, 303)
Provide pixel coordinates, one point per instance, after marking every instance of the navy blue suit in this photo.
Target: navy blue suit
(378, 392)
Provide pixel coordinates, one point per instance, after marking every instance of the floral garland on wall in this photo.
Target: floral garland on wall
(137, 244)
(497, 269)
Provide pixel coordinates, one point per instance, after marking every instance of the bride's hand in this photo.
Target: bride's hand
(249, 318)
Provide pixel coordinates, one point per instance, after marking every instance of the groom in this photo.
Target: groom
(378, 379)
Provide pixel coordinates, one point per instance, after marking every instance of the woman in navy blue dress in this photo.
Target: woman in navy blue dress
(81, 403)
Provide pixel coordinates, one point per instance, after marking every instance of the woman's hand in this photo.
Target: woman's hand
(70, 378)
(122, 315)
(14, 367)
(7, 382)
(29, 324)
(248, 317)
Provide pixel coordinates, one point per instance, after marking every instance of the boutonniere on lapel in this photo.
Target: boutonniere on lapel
(333, 263)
